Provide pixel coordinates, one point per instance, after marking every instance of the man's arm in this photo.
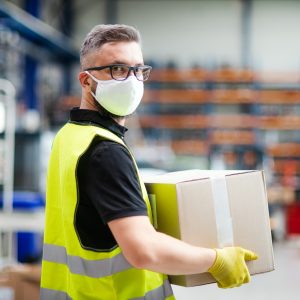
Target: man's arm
(146, 248)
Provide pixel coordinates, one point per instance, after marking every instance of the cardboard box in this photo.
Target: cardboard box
(214, 209)
(20, 282)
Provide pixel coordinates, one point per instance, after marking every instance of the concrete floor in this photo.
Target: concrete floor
(283, 283)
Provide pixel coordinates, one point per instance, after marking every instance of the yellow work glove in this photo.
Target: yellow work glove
(230, 269)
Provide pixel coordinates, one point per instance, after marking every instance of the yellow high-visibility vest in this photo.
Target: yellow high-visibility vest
(68, 270)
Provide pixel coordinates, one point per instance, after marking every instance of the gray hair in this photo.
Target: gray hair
(106, 33)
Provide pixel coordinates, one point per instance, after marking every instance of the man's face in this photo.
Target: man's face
(127, 53)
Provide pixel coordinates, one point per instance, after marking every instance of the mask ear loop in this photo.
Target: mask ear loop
(95, 79)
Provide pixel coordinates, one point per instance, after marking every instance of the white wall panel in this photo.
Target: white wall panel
(206, 32)
(276, 35)
(87, 14)
(188, 31)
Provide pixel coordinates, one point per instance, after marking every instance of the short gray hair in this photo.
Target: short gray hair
(106, 33)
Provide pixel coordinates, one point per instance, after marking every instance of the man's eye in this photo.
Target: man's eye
(120, 69)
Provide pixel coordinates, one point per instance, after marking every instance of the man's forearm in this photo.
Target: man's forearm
(146, 248)
(174, 257)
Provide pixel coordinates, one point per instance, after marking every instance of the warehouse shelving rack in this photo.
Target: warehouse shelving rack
(11, 221)
(201, 112)
(279, 113)
(7, 102)
(185, 105)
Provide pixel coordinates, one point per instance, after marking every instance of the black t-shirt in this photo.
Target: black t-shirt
(108, 186)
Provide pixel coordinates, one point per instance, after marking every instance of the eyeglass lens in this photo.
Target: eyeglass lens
(122, 72)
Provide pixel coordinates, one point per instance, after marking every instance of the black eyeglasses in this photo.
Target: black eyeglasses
(121, 72)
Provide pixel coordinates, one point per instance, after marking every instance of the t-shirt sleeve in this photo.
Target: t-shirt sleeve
(113, 185)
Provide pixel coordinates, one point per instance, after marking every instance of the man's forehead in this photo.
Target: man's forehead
(122, 52)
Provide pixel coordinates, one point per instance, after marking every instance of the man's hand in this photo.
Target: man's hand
(230, 269)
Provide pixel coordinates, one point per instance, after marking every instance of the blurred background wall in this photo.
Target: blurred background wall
(208, 33)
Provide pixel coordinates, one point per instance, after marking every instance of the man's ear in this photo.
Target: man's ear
(85, 80)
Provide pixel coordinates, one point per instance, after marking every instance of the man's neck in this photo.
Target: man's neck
(120, 121)
(91, 105)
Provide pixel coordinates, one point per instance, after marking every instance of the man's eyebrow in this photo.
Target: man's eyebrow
(119, 62)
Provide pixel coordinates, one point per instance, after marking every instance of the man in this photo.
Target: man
(99, 241)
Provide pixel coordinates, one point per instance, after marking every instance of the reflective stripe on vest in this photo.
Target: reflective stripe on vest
(161, 293)
(78, 265)
(52, 294)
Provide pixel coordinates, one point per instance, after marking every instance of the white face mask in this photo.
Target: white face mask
(120, 98)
